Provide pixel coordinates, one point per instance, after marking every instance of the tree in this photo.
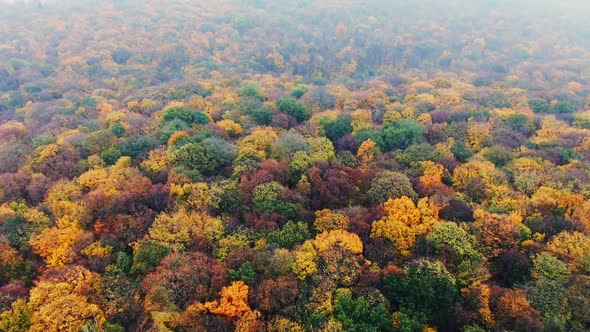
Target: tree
(389, 184)
(475, 305)
(182, 279)
(564, 107)
(495, 232)
(251, 90)
(137, 146)
(181, 229)
(403, 221)
(548, 289)
(327, 220)
(338, 128)
(186, 115)
(512, 267)
(425, 287)
(573, 248)
(359, 314)
(367, 153)
(147, 256)
(277, 295)
(402, 133)
(62, 301)
(461, 152)
(331, 185)
(206, 157)
(291, 234)
(269, 198)
(449, 234)
(233, 302)
(318, 99)
(341, 238)
(56, 245)
(514, 312)
(538, 105)
(232, 128)
(293, 108)
(18, 318)
(305, 263)
(299, 91)
(121, 55)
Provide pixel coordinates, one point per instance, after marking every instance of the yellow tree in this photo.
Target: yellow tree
(62, 304)
(432, 176)
(191, 195)
(404, 221)
(306, 259)
(477, 169)
(341, 238)
(232, 128)
(233, 302)
(179, 229)
(573, 248)
(56, 245)
(328, 220)
(367, 153)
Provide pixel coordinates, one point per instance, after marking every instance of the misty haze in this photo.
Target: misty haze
(296, 165)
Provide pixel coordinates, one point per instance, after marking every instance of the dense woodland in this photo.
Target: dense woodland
(260, 165)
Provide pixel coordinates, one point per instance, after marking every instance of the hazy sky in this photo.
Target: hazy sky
(548, 6)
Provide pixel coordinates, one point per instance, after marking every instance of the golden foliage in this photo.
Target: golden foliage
(233, 302)
(403, 210)
(367, 153)
(63, 305)
(232, 128)
(177, 136)
(327, 220)
(191, 195)
(573, 248)
(404, 221)
(156, 162)
(177, 230)
(305, 261)
(56, 245)
(341, 238)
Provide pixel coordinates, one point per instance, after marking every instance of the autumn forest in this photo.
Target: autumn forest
(296, 165)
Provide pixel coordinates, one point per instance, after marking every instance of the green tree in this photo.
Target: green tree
(148, 256)
(268, 198)
(564, 107)
(293, 108)
(360, 315)
(186, 115)
(402, 133)
(389, 184)
(291, 234)
(336, 129)
(548, 291)
(299, 91)
(449, 234)
(251, 90)
(207, 157)
(539, 105)
(425, 287)
(461, 152)
(117, 129)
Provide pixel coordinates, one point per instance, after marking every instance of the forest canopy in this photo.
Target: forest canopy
(298, 165)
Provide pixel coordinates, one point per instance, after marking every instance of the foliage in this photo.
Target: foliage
(303, 165)
(426, 287)
(293, 108)
(402, 133)
(388, 185)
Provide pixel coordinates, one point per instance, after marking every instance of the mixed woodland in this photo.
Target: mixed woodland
(297, 165)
